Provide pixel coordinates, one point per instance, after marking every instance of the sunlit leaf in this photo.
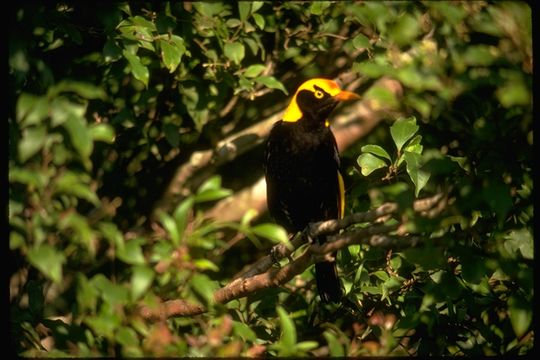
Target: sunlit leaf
(521, 315)
(172, 51)
(83, 89)
(244, 9)
(244, 331)
(205, 264)
(132, 253)
(272, 232)
(271, 82)
(114, 294)
(139, 71)
(102, 132)
(335, 347)
(48, 261)
(402, 130)
(369, 163)
(259, 20)
(361, 41)
(169, 224)
(31, 109)
(376, 150)
(141, 279)
(32, 141)
(235, 51)
(79, 134)
(204, 287)
(418, 176)
(288, 330)
(254, 70)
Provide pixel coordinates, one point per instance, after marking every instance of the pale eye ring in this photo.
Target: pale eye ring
(319, 94)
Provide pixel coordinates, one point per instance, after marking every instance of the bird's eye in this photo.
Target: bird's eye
(319, 94)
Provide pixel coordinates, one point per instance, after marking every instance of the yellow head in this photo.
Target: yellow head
(317, 96)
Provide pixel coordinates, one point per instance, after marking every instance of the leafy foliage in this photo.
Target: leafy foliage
(108, 102)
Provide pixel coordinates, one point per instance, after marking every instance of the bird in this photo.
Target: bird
(302, 170)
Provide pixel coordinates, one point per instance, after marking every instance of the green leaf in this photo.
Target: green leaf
(127, 337)
(48, 261)
(335, 347)
(132, 253)
(111, 51)
(102, 132)
(373, 69)
(287, 339)
(318, 7)
(83, 89)
(259, 21)
(142, 22)
(256, 5)
(79, 134)
(83, 234)
(376, 150)
(235, 51)
(361, 41)
(112, 234)
(139, 71)
(254, 70)
(381, 274)
(76, 184)
(31, 110)
(243, 331)
(205, 264)
(172, 51)
(521, 315)
(169, 224)
(113, 294)
(16, 240)
(479, 55)
(271, 232)
(271, 82)
(104, 324)
(462, 161)
(232, 23)
(32, 141)
(305, 346)
(405, 30)
(61, 109)
(212, 195)
(402, 130)
(369, 163)
(86, 293)
(379, 96)
(414, 145)
(208, 9)
(181, 215)
(514, 93)
(204, 287)
(213, 183)
(414, 168)
(244, 9)
(211, 190)
(141, 279)
(521, 240)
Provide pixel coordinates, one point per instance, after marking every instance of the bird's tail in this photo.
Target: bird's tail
(328, 283)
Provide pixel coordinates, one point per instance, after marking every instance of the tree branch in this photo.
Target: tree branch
(262, 275)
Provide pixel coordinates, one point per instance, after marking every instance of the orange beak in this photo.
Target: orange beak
(344, 95)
